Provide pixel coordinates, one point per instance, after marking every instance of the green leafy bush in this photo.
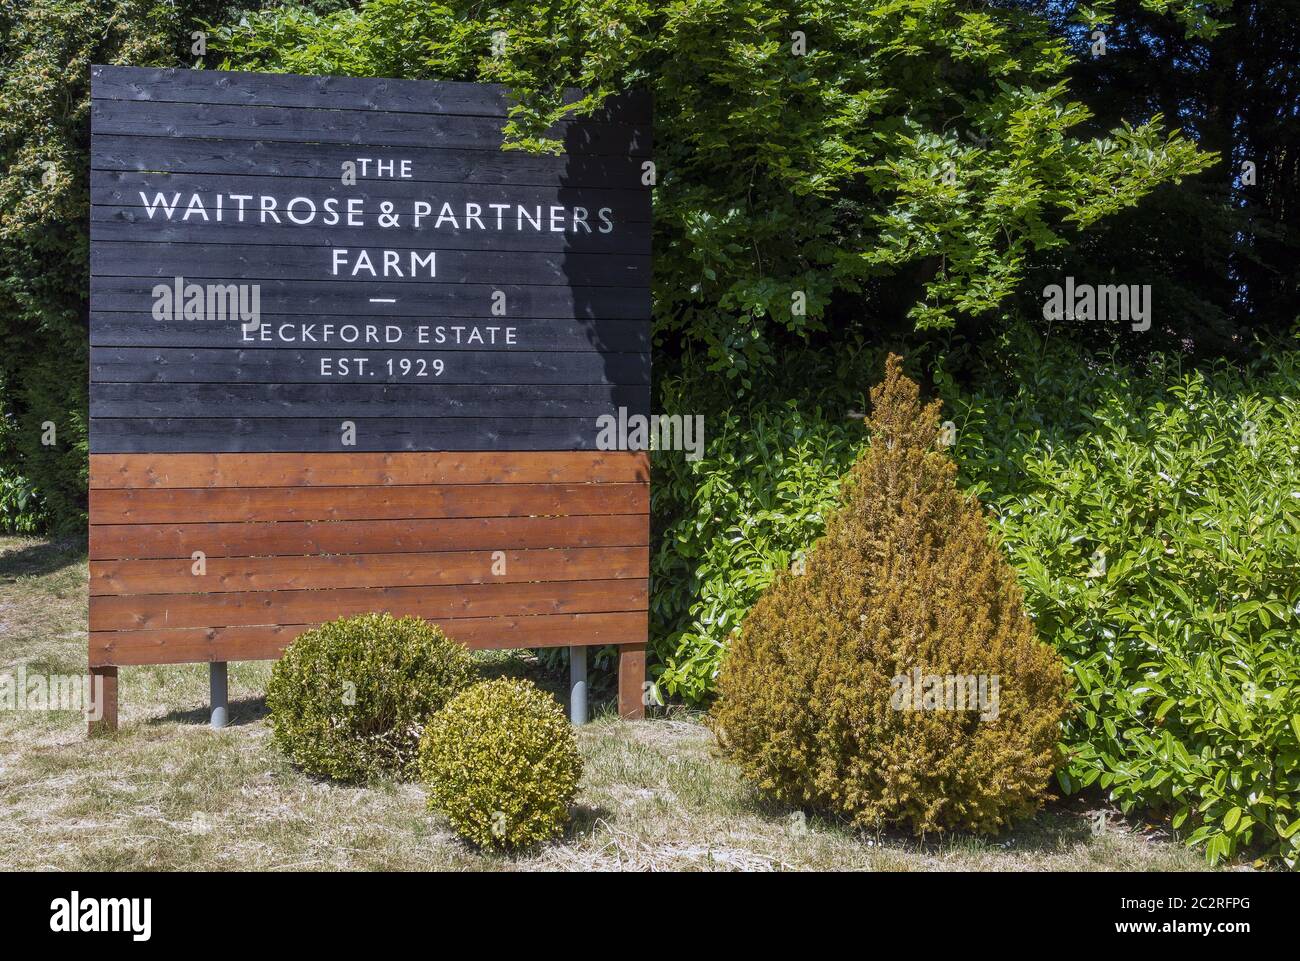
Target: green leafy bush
(897, 680)
(728, 522)
(21, 510)
(1154, 519)
(350, 698)
(501, 763)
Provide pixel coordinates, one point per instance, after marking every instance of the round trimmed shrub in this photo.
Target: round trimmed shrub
(350, 698)
(502, 764)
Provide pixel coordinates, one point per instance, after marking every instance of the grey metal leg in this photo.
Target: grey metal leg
(217, 695)
(578, 685)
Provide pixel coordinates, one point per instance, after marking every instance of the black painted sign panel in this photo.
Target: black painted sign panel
(284, 263)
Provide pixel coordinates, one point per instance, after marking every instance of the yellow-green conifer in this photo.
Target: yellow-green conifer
(827, 696)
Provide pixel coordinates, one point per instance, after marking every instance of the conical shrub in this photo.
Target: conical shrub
(897, 680)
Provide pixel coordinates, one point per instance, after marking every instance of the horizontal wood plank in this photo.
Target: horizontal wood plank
(259, 365)
(344, 401)
(354, 300)
(164, 197)
(175, 505)
(362, 128)
(110, 329)
(253, 539)
(183, 85)
(131, 224)
(309, 434)
(178, 155)
(415, 268)
(171, 611)
(361, 469)
(268, 642)
(223, 574)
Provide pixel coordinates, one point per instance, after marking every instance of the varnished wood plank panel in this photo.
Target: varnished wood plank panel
(357, 469)
(222, 574)
(124, 541)
(169, 611)
(173, 506)
(268, 642)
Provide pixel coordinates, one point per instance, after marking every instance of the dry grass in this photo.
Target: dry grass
(168, 793)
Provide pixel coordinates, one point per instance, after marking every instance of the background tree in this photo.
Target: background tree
(46, 50)
(824, 168)
(1222, 254)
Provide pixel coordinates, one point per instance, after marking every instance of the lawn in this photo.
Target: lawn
(168, 793)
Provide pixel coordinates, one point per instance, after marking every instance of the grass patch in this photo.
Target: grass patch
(168, 793)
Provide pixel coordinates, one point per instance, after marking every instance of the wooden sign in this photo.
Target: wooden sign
(349, 355)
